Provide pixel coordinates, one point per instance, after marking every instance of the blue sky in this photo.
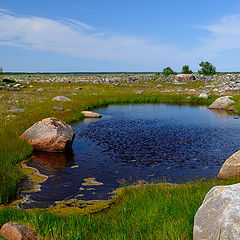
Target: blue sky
(118, 35)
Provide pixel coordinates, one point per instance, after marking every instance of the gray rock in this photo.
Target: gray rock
(58, 108)
(40, 90)
(231, 167)
(50, 134)
(13, 89)
(10, 116)
(203, 95)
(14, 109)
(62, 98)
(219, 215)
(221, 103)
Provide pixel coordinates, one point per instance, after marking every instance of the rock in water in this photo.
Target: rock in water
(14, 231)
(231, 167)
(50, 134)
(89, 114)
(219, 216)
(184, 77)
(221, 103)
(62, 98)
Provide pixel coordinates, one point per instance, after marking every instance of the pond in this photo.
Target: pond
(130, 143)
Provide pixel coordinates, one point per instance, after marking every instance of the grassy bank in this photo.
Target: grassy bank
(140, 212)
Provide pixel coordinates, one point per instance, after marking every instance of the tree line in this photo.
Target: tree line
(206, 68)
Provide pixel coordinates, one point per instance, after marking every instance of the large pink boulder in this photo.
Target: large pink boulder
(50, 134)
(14, 231)
(184, 77)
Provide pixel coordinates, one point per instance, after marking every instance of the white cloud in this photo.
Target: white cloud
(224, 35)
(80, 40)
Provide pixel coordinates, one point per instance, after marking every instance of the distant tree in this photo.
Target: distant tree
(206, 68)
(157, 74)
(186, 70)
(168, 71)
(1, 72)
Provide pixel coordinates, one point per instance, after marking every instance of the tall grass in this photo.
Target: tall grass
(140, 212)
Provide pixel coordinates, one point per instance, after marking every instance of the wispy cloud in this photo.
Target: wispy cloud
(224, 35)
(77, 39)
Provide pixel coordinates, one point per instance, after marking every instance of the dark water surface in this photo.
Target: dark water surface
(134, 142)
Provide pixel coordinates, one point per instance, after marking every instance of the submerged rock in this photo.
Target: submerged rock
(89, 114)
(50, 134)
(62, 98)
(218, 216)
(221, 103)
(15, 231)
(231, 167)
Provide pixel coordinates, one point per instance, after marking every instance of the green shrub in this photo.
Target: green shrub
(207, 68)
(168, 71)
(186, 70)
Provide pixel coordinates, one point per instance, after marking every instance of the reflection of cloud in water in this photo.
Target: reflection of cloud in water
(220, 113)
(52, 161)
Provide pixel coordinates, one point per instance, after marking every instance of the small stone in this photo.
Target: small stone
(58, 108)
(40, 90)
(15, 231)
(89, 114)
(14, 109)
(203, 95)
(10, 116)
(13, 89)
(62, 98)
(231, 109)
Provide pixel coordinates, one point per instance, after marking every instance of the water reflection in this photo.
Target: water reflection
(220, 113)
(52, 162)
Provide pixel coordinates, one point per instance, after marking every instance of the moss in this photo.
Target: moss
(34, 177)
(91, 182)
(78, 206)
(16, 202)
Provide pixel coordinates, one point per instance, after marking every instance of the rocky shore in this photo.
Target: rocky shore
(217, 83)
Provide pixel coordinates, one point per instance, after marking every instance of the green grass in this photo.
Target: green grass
(140, 212)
